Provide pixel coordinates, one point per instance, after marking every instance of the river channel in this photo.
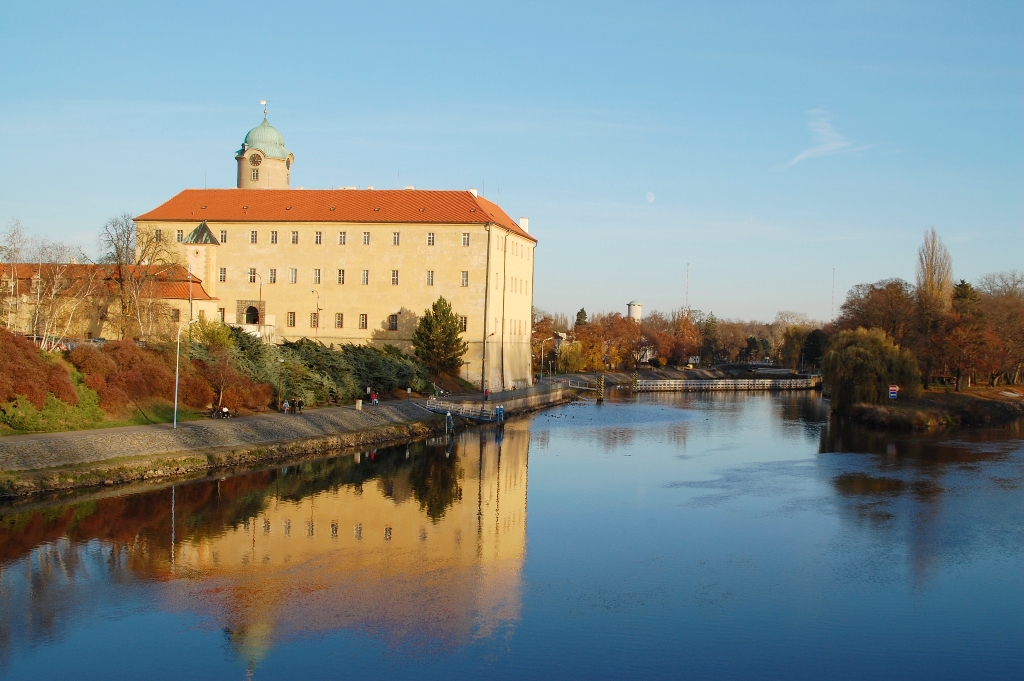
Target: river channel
(697, 536)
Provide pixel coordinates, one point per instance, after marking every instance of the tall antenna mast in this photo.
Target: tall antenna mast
(687, 288)
(833, 312)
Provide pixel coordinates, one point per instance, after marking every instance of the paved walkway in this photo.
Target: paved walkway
(43, 450)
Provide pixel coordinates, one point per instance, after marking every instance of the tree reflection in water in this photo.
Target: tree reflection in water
(271, 553)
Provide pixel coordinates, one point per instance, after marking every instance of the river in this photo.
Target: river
(703, 536)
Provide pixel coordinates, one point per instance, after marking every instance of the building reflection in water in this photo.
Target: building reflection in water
(421, 544)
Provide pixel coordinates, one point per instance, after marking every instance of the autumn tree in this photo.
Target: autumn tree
(438, 341)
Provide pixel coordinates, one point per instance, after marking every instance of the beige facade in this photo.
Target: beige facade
(356, 266)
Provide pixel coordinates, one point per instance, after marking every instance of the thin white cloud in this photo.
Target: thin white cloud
(826, 140)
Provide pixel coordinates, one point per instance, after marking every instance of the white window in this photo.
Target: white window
(273, 236)
(341, 276)
(273, 276)
(314, 320)
(394, 277)
(158, 235)
(465, 238)
(463, 322)
(395, 238)
(362, 321)
(430, 238)
(255, 174)
(318, 238)
(392, 322)
(365, 278)
(341, 238)
(293, 275)
(252, 236)
(223, 274)
(366, 238)
(252, 275)
(465, 278)
(220, 314)
(430, 277)
(179, 236)
(339, 320)
(291, 319)
(316, 275)
(223, 236)
(295, 237)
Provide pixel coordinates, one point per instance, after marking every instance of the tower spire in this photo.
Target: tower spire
(263, 103)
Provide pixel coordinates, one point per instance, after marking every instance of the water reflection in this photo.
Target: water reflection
(420, 544)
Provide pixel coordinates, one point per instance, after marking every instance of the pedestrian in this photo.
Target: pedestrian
(302, 404)
(285, 406)
(487, 394)
(373, 398)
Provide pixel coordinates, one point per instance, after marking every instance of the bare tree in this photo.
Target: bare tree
(64, 286)
(934, 272)
(12, 250)
(137, 261)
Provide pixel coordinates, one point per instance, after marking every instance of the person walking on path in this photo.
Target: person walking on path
(487, 394)
(285, 407)
(302, 404)
(373, 398)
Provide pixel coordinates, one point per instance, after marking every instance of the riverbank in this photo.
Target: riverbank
(56, 462)
(936, 410)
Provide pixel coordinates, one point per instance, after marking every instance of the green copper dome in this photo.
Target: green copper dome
(267, 139)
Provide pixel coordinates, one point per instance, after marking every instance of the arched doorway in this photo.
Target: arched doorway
(252, 315)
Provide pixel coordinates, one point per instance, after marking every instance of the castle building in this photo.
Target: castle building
(356, 265)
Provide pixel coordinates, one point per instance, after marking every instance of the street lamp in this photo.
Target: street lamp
(280, 383)
(483, 364)
(259, 309)
(542, 356)
(177, 362)
(316, 329)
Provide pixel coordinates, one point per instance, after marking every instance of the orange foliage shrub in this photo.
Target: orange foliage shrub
(25, 371)
(88, 360)
(195, 391)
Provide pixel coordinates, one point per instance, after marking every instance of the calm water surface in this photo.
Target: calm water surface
(678, 536)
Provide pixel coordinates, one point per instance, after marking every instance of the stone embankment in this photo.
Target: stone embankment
(59, 461)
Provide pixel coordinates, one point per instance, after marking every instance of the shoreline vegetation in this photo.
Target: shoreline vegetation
(935, 410)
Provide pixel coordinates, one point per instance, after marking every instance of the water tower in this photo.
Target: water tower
(635, 310)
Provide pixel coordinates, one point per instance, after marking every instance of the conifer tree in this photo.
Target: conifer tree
(437, 338)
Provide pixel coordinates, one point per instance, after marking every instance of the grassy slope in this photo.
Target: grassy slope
(982, 406)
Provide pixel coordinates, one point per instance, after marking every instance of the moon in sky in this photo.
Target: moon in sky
(650, 197)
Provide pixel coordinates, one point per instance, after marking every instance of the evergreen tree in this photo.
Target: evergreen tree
(437, 338)
(581, 317)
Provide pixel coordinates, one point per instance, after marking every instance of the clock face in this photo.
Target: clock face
(255, 160)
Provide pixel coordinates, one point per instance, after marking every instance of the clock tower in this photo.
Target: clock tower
(263, 160)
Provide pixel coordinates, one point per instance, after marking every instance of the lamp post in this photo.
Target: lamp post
(316, 329)
(177, 362)
(280, 382)
(542, 356)
(483, 364)
(259, 309)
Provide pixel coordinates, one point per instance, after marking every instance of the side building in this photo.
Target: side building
(361, 266)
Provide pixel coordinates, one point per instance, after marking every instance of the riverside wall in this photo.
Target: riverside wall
(49, 462)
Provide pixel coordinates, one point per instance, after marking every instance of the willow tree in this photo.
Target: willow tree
(438, 338)
(861, 365)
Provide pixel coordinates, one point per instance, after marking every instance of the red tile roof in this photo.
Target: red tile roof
(332, 205)
(171, 281)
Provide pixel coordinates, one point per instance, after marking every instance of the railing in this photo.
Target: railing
(466, 410)
(701, 385)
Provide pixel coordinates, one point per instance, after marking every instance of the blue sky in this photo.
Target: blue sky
(763, 143)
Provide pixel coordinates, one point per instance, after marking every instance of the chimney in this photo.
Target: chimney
(473, 192)
(525, 224)
(410, 186)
